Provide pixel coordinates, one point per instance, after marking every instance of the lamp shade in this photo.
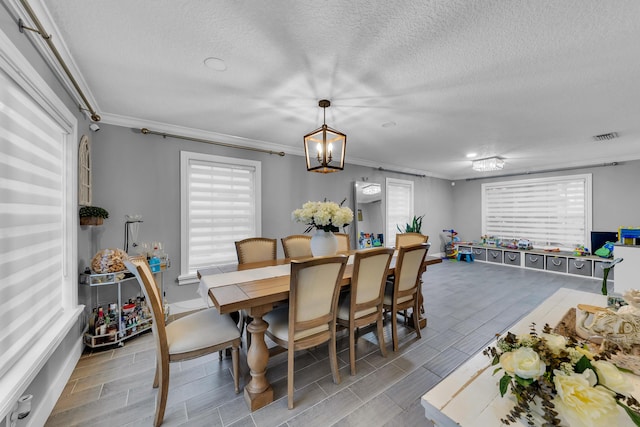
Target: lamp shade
(324, 148)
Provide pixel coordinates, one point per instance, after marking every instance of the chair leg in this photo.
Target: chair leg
(333, 356)
(156, 378)
(383, 348)
(394, 329)
(416, 319)
(352, 350)
(236, 368)
(163, 392)
(290, 357)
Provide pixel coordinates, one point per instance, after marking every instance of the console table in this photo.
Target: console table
(470, 395)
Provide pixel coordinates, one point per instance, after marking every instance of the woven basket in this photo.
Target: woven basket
(91, 220)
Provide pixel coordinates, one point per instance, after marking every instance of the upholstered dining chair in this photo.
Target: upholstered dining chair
(256, 249)
(310, 319)
(344, 242)
(362, 305)
(402, 292)
(297, 246)
(191, 336)
(407, 239)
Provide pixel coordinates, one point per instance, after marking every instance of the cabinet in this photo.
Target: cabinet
(554, 262)
(129, 321)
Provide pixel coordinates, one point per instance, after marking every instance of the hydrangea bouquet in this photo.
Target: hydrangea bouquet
(327, 216)
(562, 379)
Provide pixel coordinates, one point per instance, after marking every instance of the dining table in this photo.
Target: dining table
(256, 288)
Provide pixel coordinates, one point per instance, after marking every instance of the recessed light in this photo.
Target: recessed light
(470, 155)
(388, 124)
(215, 63)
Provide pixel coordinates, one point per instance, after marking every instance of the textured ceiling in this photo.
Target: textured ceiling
(531, 82)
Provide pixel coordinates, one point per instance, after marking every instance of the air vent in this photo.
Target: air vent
(606, 136)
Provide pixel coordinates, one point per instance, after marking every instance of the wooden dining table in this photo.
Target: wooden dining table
(258, 297)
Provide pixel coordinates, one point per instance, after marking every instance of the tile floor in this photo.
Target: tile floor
(466, 305)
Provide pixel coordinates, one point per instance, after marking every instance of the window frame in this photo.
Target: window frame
(391, 229)
(20, 374)
(185, 158)
(587, 213)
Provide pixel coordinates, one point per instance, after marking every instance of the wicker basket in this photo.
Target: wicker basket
(91, 220)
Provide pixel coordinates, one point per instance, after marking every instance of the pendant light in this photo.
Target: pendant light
(324, 148)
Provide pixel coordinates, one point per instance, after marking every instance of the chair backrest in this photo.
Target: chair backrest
(313, 296)
(344, 242)
(256, 249)
(369, 276)
(408, 239)
(139, 267)
(297, 246)
(408, 267)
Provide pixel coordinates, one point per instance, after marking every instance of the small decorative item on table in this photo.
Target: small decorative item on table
(559, 381)
(109, 261)
(325, 217)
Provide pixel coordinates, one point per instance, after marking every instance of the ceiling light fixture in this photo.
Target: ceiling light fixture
(324, 148)
(371, 189)
(215, 64)
(488, 164)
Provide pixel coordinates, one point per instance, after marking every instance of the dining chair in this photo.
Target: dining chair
(407, 239)
(310, 319)
(297, 246)
(344, 242)
(256, 249)
(194, 335)
(402, 292)
(362, 304)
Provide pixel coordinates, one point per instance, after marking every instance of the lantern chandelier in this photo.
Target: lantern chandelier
(324, 148)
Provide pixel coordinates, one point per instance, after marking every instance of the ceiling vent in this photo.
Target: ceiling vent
(606, 136)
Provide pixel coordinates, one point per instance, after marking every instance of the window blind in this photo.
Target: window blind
(32, 226)
(221, 207)
(551, 212)
(399, 194)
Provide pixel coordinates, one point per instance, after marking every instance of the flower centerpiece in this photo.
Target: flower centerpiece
(326, 217)
(560, 377)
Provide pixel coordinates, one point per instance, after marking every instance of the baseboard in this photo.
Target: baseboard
(41, 414)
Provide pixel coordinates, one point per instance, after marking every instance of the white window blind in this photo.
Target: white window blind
(399, 195)
(38, 293)
(221, 204)
(551, 212)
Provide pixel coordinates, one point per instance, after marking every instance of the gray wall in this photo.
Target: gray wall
(140, 174)
(615, 198)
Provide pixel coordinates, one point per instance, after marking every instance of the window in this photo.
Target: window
(220, 205)
(399, 207)
(38, 248)
(551, 212)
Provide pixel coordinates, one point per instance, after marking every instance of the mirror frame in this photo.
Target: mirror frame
(359, 199)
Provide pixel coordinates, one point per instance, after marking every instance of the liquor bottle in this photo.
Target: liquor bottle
(100, 322)
(92, 320)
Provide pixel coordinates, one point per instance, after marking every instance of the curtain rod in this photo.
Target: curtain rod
(401, 172)
(47, 37)
(146, 131)
(600, 165)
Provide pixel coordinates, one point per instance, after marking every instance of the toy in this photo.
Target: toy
(581, 251)
(606, 251)
(450, 249)
(524, 244)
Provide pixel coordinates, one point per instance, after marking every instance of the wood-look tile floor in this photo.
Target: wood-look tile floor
(466, 305)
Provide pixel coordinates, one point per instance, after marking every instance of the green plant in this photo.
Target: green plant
(414, 227)
(93, 211)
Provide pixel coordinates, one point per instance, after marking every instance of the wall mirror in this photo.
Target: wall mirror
(369, 214)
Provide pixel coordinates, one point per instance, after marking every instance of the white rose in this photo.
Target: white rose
(555, 343)
(611, 377)
(526, 363)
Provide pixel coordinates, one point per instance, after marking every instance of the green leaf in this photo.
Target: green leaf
(635, 417)
(524, 382)
(495, 371)
(495, 360)
(583, 364)
(504, 384)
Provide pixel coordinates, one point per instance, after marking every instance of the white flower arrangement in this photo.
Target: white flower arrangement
(327, 216)
(571, 384)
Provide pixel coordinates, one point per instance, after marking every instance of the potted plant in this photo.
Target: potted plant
(92, 215)
(414, 227)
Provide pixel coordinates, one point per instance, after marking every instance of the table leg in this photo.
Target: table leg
(258, 392)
